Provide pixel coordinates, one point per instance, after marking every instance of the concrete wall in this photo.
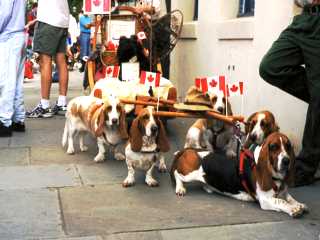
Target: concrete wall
(219, 39)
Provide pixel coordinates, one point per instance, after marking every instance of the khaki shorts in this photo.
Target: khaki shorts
(49, 39)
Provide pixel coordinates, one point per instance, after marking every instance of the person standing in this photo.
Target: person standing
(85, 33)
(50, 36)
(292, 64)
(12, 52)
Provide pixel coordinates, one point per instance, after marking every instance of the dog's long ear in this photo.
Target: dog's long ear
(162, 139)
(99, 121)
(248, 123)
(290, 177)
(123, 124)
(263, 169)
(135, 136)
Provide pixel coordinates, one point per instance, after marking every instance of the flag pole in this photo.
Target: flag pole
(225, 89)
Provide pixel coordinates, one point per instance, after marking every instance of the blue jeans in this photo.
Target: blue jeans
(12, 52)
(84, 45)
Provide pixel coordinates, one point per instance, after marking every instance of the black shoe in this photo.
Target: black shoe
(18, 127)
(5, 131)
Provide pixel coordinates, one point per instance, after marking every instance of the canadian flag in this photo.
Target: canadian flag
(96, 6)
(150, 78)
(211, 84)
(235, 89)
(112, 71)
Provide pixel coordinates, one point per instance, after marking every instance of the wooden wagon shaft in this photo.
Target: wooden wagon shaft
(153, 103)
(227, 119)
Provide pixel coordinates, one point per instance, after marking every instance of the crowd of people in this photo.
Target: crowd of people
(54, 35)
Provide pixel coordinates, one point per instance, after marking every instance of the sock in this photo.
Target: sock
(45, 103)
(62, 100)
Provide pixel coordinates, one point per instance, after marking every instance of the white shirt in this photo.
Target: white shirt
(73, 29)
(53, 12)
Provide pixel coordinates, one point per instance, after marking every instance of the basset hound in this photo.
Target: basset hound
(105, 120)
(258, 126)
(147, 143)
(262, 176)
(211, 134)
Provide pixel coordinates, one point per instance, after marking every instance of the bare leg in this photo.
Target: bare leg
(63, 73)
(46, 75)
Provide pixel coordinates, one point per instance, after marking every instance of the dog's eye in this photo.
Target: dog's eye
(145, 117)
(288, 145)
(274, 147)
(109, 108)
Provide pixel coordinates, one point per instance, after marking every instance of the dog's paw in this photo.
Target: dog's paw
(151, 182)
(83, 148)
(99, 158)
(304, 207)
(119, 156)
(70, 150)
(180, 192)
(162, 168)
(128, 182)
(296, 211)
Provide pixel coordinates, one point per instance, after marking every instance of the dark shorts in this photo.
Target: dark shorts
(49, 39)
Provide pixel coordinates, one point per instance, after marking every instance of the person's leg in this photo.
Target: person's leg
(19, 109)
(46, 75)
(10, 52)
(308, 159)
(63, 74)
(281, 67)
(61, 104)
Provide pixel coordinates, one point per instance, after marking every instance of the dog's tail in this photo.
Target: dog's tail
(65, 134)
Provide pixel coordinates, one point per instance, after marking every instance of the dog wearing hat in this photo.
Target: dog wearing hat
(210, 134)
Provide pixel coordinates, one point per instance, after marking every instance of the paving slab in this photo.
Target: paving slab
(4, 142)
(30, 214)
(14, 156)
(26, 177)
(106, 209)
(293, 230)
(78, 238)
(57, 155)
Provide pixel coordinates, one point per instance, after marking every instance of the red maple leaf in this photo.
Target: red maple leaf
(150, 78)
(96, 2)
(234, 88)
(213, 83)
(109, 70)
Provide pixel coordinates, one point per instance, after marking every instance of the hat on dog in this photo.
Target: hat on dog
(195, 100)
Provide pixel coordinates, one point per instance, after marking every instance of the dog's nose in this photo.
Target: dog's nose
(114, 121)
(253, 137)
(154, 129)
(285, 161)
(220, 109)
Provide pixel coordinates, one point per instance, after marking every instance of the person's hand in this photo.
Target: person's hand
(87, 25)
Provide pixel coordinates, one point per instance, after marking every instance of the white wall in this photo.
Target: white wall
(219, 39)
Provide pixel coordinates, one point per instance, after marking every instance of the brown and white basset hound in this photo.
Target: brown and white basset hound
(104, 119)
(262, 176)
(210, 134)
(147, 143)
(258, 126)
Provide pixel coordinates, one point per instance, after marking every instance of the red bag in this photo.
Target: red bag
(28, 69)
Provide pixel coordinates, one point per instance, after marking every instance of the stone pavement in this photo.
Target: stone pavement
(47, 194)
